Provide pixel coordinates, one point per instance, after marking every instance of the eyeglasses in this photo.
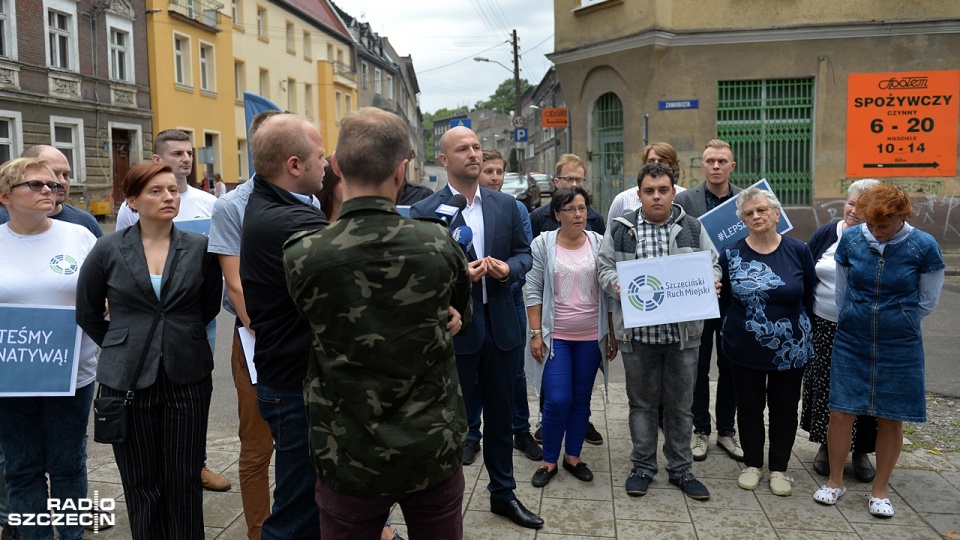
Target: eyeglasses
(573, 179)
(762, 211)
(571, 211)
(36, 185)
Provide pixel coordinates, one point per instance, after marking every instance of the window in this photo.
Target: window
(291, 95)
(239, 79)
(237, 12)
(329, 53)
(208, 62)
(307, 45)
(8, 29)
(308, 101)
(363, 75)
(339, 104)
(11, 135)
(262, 23)
(377, 81)
(242, 158)
(769, 124)
(181, 60)
(291, 40)
(348, 103)
(265, 83)
(60, 40)
(119, 69)
(607, 148)
(389, 86)
(67, 136)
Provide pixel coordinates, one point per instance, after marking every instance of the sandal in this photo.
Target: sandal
(828, 495)
(881, 507)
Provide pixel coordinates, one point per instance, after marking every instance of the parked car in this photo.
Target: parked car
(544, 182)
(523, 188)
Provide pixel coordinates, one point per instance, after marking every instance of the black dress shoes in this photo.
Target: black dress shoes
(470, 451)
(517, 513)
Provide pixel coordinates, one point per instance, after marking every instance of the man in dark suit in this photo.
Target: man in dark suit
(493, 345)
(717, 164)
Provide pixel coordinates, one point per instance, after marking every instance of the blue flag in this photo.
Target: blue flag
(254, 104)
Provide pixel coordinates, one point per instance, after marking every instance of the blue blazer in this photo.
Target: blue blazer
(116, 270)
(504, 239)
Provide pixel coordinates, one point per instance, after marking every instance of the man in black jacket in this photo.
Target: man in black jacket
(571, 171)
(288, 157)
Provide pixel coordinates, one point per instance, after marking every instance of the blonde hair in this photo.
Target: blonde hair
(12, 172)
(570, 160)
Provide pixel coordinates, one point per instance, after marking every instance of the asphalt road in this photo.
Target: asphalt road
(940, 341)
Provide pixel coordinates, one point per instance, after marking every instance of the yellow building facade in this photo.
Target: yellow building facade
(191, 80)
(295, 53)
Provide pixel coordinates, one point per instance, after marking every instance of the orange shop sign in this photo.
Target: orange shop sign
(554, 117)
(902, 124)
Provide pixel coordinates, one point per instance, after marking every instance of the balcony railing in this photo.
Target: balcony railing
(203, 11)
(342, 69)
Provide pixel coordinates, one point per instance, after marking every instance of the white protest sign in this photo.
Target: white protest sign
(670, 289)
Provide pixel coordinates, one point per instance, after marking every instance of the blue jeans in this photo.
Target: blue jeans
(568, 378)
(658, 374)
(43, 436)
(521, 409)
(295, 514)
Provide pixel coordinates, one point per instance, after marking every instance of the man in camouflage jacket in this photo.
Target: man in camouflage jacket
(386, 416)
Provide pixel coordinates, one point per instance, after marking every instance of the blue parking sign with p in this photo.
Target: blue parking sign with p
(520, 135)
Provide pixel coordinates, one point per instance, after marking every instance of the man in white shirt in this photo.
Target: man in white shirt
(628, 201)
(173, 147)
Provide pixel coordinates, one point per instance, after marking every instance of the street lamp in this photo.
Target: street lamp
(482, 59)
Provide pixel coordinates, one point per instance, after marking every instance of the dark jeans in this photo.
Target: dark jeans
(496, 395)
(726, 407)
(434, 512)
(295, 514)
(521, 409)
(780, 392)
(43, 436)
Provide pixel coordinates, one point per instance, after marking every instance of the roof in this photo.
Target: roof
(320, 12)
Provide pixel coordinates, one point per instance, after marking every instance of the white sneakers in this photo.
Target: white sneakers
(699, 446)
(750, 478)
(731, 446)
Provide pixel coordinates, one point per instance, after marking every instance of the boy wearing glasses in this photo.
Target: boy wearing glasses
(571, 171)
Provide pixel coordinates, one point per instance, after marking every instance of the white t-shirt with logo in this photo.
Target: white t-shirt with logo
(42, 270)
(194, 204)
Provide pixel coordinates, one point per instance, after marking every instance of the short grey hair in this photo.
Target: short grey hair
(752, 193)
(861, 185)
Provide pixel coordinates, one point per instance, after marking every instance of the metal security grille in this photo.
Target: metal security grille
(607, 154)
(769, 124)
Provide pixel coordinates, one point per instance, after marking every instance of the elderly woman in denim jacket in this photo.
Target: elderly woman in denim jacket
(569, 320)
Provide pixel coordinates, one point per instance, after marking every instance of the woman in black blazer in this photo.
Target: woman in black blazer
(152, 271)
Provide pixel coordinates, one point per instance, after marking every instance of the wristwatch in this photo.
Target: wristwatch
(535, 332)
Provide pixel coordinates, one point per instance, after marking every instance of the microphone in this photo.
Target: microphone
(463, 236)
(448, 212)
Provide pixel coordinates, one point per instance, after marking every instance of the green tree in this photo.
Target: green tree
(513, 164)
(429, 144)
(504, 99)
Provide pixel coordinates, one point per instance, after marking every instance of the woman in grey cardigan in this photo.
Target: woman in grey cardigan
(569, 325)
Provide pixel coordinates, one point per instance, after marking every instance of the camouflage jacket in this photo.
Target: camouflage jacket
(384, 406)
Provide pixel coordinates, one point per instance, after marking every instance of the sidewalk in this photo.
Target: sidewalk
(926, 497)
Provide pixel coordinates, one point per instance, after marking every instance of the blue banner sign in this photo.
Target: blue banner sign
(724, 227)
(39, 350)
(201, 226)
(678, 104)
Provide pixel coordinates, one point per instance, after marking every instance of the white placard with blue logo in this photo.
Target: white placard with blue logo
(39, 350)
(724, 227)
(669, 289)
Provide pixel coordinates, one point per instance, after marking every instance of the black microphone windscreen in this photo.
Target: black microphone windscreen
(459, 201)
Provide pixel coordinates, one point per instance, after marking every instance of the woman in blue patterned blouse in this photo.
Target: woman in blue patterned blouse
(768, 282)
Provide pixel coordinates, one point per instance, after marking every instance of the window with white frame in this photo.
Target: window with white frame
(11, 135)
(307, 45)
(237, 12)
(60, 39)
(208, 62)
(377, 81)
(8, 29)
(119, 55)
(181, 60)
(262, 23)
(265, 83)
(239, 79)
(66, 135)
(389, 86)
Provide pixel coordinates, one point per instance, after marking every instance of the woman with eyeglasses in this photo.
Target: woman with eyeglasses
(163, 288)
(768, 282)
(43, 436)
(569, 317)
